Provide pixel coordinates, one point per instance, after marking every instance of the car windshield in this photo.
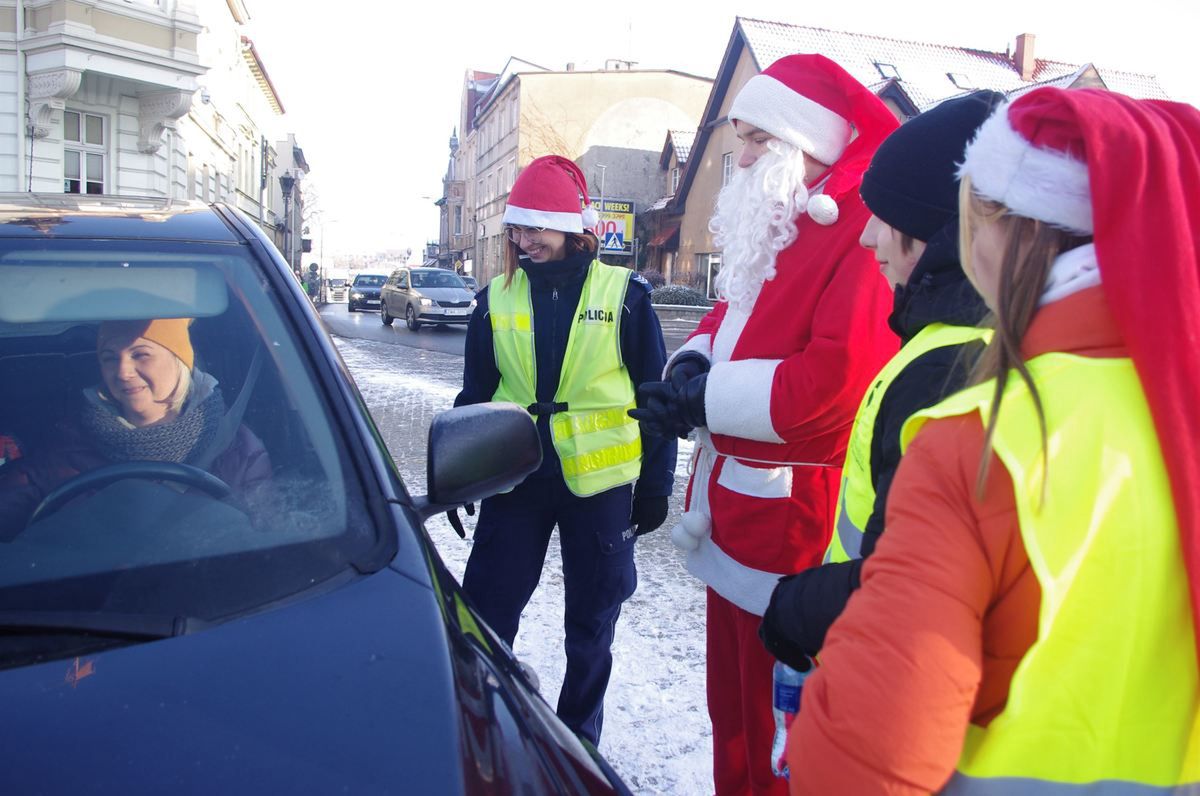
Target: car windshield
(369, 280)
(241, 497)
(436, 279)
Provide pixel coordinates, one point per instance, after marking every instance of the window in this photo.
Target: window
(726, 168)
(674, 179)
(960, 80)
(516, 117)
(887, 70)
(458, 220)
(710, 265)
(512, 174)
(83, 152)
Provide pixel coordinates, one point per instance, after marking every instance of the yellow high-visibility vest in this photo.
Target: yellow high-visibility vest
(598, 443)
(1108, 695)
(856, 499)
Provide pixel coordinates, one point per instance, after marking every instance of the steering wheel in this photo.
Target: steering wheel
(151, 471)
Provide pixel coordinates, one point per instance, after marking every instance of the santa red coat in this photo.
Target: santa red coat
(786, 381)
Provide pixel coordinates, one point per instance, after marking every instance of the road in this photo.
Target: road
(446, 339)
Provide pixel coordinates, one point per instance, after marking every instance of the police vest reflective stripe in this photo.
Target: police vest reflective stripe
(598, 443)
(856, 499)
(1108, 695)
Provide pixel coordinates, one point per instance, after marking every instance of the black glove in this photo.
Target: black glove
(456, 521)
(773, 631)
(688, 405)
(686, 367)
(654, 412)
(648, 513)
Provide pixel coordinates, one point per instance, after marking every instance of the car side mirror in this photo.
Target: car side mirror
(475, 452)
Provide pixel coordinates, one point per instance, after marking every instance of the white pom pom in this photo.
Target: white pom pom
(684, 540)
(693, 528)
(823, 209)
(590, 217)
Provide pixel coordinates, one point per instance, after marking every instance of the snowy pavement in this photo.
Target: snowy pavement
(656, 729)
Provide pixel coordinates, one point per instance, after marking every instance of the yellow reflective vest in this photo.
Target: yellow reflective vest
(1108, 694)
(598, 443)
(856, 499)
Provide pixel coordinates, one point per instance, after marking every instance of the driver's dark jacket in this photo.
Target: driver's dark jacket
(24, 482)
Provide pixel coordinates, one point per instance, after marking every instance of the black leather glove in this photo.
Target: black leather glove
(654, 412)
(775, 627)
(686, 367)
(648, 513)
(456, 521)
(688, 405)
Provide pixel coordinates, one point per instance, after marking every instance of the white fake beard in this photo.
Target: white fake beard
(755, 219)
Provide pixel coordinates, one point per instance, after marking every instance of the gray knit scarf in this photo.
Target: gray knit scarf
(184, 439)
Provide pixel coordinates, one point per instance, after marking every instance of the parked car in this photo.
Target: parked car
(364, 292)
(425, 295)
(157, 636)
(471, 283)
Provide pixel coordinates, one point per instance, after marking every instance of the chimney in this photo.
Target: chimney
(571, 67)
(1023, 57)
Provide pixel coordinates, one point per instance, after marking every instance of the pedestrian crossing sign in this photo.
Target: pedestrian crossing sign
(613, 242)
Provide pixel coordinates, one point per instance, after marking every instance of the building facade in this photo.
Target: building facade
(609, 121)
(158, 98)
(908, 76)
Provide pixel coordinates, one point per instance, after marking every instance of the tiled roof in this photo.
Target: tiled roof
(923, 69)
(681, 141)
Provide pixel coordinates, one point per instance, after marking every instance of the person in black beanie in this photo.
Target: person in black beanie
(912, 190)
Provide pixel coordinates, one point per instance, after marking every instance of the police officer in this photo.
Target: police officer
(568, 338)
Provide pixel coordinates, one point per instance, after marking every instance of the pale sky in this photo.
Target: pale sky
(372, 96)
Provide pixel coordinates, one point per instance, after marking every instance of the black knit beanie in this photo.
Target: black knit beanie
(911, 183)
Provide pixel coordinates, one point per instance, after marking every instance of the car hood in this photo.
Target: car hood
(446, 293)
(350, 691)
(367, 291)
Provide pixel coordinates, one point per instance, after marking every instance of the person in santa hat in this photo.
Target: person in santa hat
(1028, 621)
(568, 338)
(772, 377)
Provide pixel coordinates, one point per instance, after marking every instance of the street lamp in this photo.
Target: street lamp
(287, 182)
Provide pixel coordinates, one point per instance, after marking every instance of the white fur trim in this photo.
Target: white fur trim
(728, 333)
(1072, 271)
(748, 589)
(1036, 183)
(525, 217)
(737, 399)
(775, 108)
(759, 482)
(590, 217)
(701, 344)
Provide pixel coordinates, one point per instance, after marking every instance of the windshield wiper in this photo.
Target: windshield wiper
(99, 623)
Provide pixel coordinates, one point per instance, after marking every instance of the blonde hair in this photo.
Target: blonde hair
(576, 242)
(1030, 248)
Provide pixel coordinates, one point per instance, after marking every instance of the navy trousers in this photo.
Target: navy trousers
(505, 564)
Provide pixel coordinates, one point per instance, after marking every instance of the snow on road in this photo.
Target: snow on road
(656, 729)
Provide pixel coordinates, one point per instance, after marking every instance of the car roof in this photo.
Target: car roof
(29, 215)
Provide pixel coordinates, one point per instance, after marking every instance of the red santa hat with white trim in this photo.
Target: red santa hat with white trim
(551, 192)
(1126, 172)
(812, 103)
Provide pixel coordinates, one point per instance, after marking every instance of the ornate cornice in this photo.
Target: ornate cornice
(48, 93)
(157, 112)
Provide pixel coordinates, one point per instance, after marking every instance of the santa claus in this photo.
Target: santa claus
(772, 377)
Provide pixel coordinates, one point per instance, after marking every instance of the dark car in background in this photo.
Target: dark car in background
(157, 636)
(471, 283)
(425, 295)
(364, 292)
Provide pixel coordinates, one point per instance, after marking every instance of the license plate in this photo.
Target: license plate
(372, 302)
(457, 312)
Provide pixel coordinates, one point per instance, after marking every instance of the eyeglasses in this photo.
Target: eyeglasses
(515, 233)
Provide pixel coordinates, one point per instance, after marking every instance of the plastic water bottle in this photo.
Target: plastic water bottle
(785, 701)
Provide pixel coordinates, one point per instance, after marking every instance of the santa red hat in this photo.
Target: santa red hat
(812, 103)
(551, 193)
(1128, 172)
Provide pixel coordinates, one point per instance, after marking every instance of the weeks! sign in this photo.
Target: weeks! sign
(615, 228)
